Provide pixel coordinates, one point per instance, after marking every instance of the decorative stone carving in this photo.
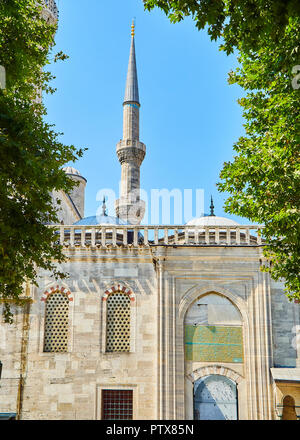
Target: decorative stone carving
(131, 151)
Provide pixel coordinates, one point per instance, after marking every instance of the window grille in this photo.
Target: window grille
(56, 323)
(117, 404)
(118, 323)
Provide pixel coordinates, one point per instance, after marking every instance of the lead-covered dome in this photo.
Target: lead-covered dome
(106, 220)
(95, 220)
(212, 220)
(71, 171)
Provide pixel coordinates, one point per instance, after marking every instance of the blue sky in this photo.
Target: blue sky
(190, 117)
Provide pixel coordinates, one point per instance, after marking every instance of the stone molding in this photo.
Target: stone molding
(215, 369)
(124, 143)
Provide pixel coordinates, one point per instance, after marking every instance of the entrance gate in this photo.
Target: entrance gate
(215, 398)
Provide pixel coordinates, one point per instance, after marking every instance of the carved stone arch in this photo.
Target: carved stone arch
(215, 369)
(57, 289)
(118, 288)
(196, 292)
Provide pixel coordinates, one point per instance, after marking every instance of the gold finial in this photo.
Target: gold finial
(132, 29)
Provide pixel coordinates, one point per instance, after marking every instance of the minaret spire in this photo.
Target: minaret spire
(132, 88)
(104, 207)
(130, 150)
(212, 208)
(131, 98)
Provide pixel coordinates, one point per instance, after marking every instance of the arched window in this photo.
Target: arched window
(213, 331)
(56, 323)
(289, 411)
(118, 323)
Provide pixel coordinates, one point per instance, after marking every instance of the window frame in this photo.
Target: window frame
(108, 390)
(42, 321)
(119, 321)
(133, 307)
(110, 386)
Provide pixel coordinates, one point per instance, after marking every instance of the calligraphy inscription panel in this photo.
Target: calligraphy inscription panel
(213, 344)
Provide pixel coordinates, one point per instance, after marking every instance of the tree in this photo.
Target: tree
(263, 179)
(31, 155)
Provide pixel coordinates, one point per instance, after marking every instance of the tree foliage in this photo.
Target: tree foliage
(263, 179)
(31, 155)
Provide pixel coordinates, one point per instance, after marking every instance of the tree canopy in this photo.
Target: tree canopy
(31, 154)
(263, 179)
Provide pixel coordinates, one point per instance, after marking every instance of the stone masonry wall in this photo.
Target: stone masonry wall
(285, 317)
(68, 385)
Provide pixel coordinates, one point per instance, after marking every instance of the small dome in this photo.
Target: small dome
(212, 221)
(71, 170)
(100, 220)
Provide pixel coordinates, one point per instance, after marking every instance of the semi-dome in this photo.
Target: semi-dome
(100, 220)
(212, 220)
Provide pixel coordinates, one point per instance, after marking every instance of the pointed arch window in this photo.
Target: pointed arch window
(213, 331)
(118, 323)
(56, 323)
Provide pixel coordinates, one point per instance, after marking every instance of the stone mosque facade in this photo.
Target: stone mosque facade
(160, 322)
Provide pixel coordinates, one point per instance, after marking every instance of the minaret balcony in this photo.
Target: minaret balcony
(131, 150)
(50, 10)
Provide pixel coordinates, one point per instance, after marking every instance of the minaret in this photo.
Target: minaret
(130, 150)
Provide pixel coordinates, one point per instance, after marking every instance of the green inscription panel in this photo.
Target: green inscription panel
(209, 343)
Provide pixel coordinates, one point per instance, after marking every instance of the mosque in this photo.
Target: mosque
(160, 322)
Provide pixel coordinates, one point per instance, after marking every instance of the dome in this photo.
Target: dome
(104, 220)
(100, 220)
(212, 221)
(72, 172)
